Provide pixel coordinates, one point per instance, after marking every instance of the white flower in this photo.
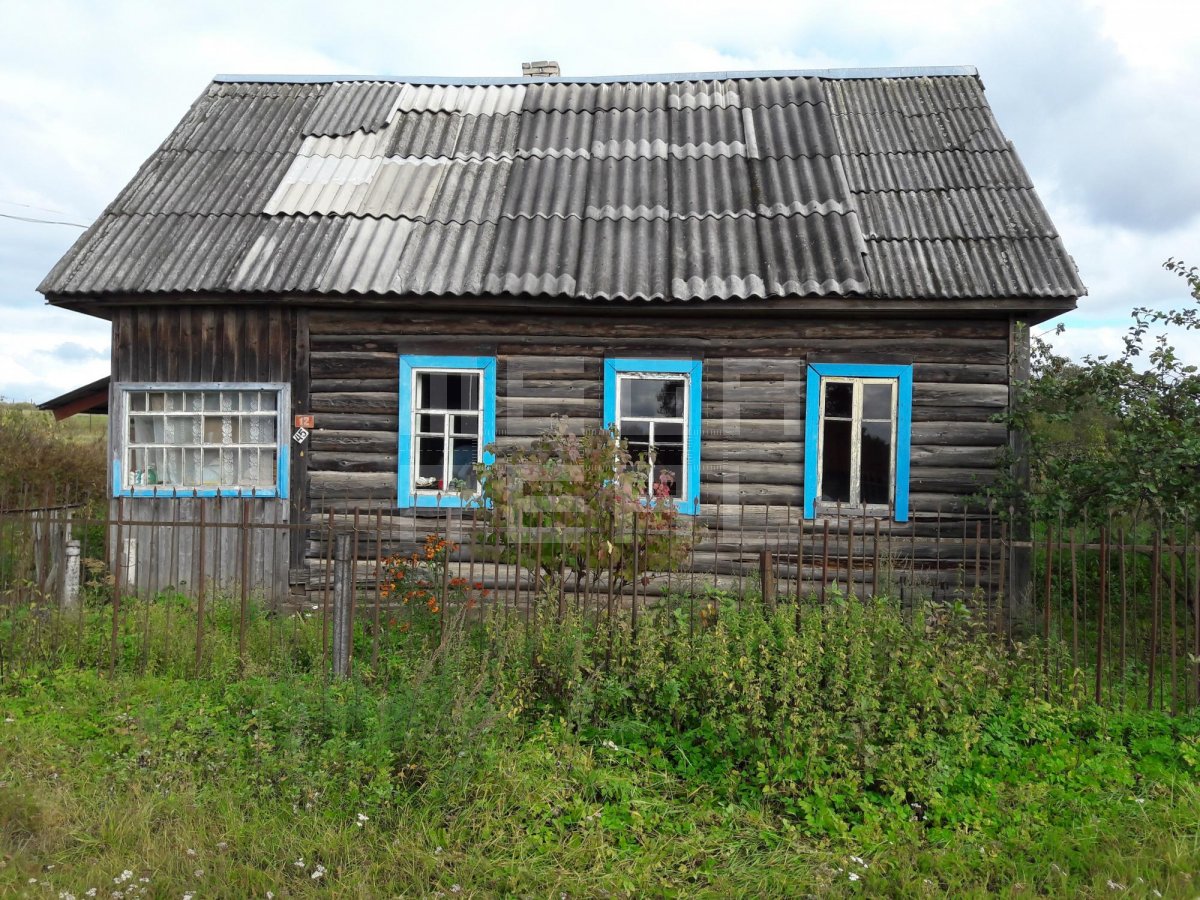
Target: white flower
(187, 896)
(9, 720)
(299, 864)
(222, 845)
(90, 892)
(1115, 885)
(456, 888)
(854, 876)
(1139, 800)
(199, 873)
(609, 745)
(437, 850)
(191, 852)
(318, 872)
(270, 895)
(361, 820)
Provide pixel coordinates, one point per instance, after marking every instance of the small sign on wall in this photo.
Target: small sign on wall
(305, 422)
(300, 435)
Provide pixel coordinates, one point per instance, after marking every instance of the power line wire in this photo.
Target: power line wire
(41, 221)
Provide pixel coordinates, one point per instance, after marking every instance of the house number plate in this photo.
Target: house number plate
(300, 435)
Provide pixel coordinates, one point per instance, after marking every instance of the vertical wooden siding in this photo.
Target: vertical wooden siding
(203, 344)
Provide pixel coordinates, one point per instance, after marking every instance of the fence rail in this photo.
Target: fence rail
(1116, 606)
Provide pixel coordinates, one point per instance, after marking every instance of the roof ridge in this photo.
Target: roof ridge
(665, 77)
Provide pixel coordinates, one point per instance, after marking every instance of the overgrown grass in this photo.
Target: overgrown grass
(814, 750)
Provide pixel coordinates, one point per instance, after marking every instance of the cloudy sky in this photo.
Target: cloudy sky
(1101, 99)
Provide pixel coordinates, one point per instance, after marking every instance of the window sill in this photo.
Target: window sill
(823, 509)
(165, 491)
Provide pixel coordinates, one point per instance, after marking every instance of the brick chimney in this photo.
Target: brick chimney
(542, 68)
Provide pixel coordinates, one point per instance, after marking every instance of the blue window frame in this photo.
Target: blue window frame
(655, 406)
(857, 436)
(200, 439)
(447, 420)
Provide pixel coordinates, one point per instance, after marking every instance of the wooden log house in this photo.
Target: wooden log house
(798, 290)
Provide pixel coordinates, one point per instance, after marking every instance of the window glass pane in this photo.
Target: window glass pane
(175, 402)
(462, 464)
(218, 430)
(835, 461)
(266, 400)
(137, 401)
(250, 401)
(145, 429)
(431, 459)
(668, 433)
(877, 400)
(212, 401)
(652, 397)
(468, 425)
(266, 467)
(637, 435)
(668, 467)
(178, 430)
(448, 390)
(875, 462)
(210, 468)
(258, 430)
(431, 423)
(228, 467)
(839, 399)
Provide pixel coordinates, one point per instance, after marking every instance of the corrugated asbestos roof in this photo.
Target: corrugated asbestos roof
(895, 184)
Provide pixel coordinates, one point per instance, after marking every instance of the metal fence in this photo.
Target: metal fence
(1114, 607)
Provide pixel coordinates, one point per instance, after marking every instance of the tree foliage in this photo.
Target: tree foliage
(40, 459)
(577, 507)
(1116, 434)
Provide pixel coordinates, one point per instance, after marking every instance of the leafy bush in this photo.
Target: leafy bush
(577, 506)
(43, 457)
(1115, 434)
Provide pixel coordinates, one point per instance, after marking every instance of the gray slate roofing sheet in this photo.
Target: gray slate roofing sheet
(680, 189)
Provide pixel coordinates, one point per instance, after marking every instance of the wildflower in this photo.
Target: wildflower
(222, 845)
(90, 892)
(299, 864)
(199, 873)
(188, 896)
(191, 852)
(1139, 800)
(361, 820)
(437, 850)
(609, 745)
(854, 876)
(123, 877)
(318, 872)
(1115, 885)
(456, 888)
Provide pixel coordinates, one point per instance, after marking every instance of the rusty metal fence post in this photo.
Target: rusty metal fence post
(343, 602)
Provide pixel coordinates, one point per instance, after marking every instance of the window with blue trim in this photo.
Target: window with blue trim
(201, 439)
(447, 419)
(655, 407)
(858, 426)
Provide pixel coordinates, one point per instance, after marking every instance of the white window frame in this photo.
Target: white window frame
(409, 493)
(124, 483)
(856, 421)
(621, 371)
(858, 374)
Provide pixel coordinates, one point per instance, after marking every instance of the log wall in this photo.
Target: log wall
(753, 392)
